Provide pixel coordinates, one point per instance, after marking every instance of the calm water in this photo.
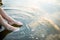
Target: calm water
(41, 19)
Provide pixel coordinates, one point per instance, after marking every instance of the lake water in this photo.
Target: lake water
(41, 19)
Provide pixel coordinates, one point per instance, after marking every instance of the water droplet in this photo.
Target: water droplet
(42, 35)
(32, 30)
(32, 37)
(36, 38)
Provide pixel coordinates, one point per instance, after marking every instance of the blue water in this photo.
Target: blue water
(40, 19)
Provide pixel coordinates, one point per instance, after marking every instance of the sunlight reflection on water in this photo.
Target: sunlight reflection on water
(38, 22)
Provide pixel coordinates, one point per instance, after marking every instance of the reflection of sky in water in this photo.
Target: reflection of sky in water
(40, 18)
(46, 6)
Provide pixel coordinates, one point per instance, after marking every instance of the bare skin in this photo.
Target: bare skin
(8, 18)
(10, 21)
(6, 25)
